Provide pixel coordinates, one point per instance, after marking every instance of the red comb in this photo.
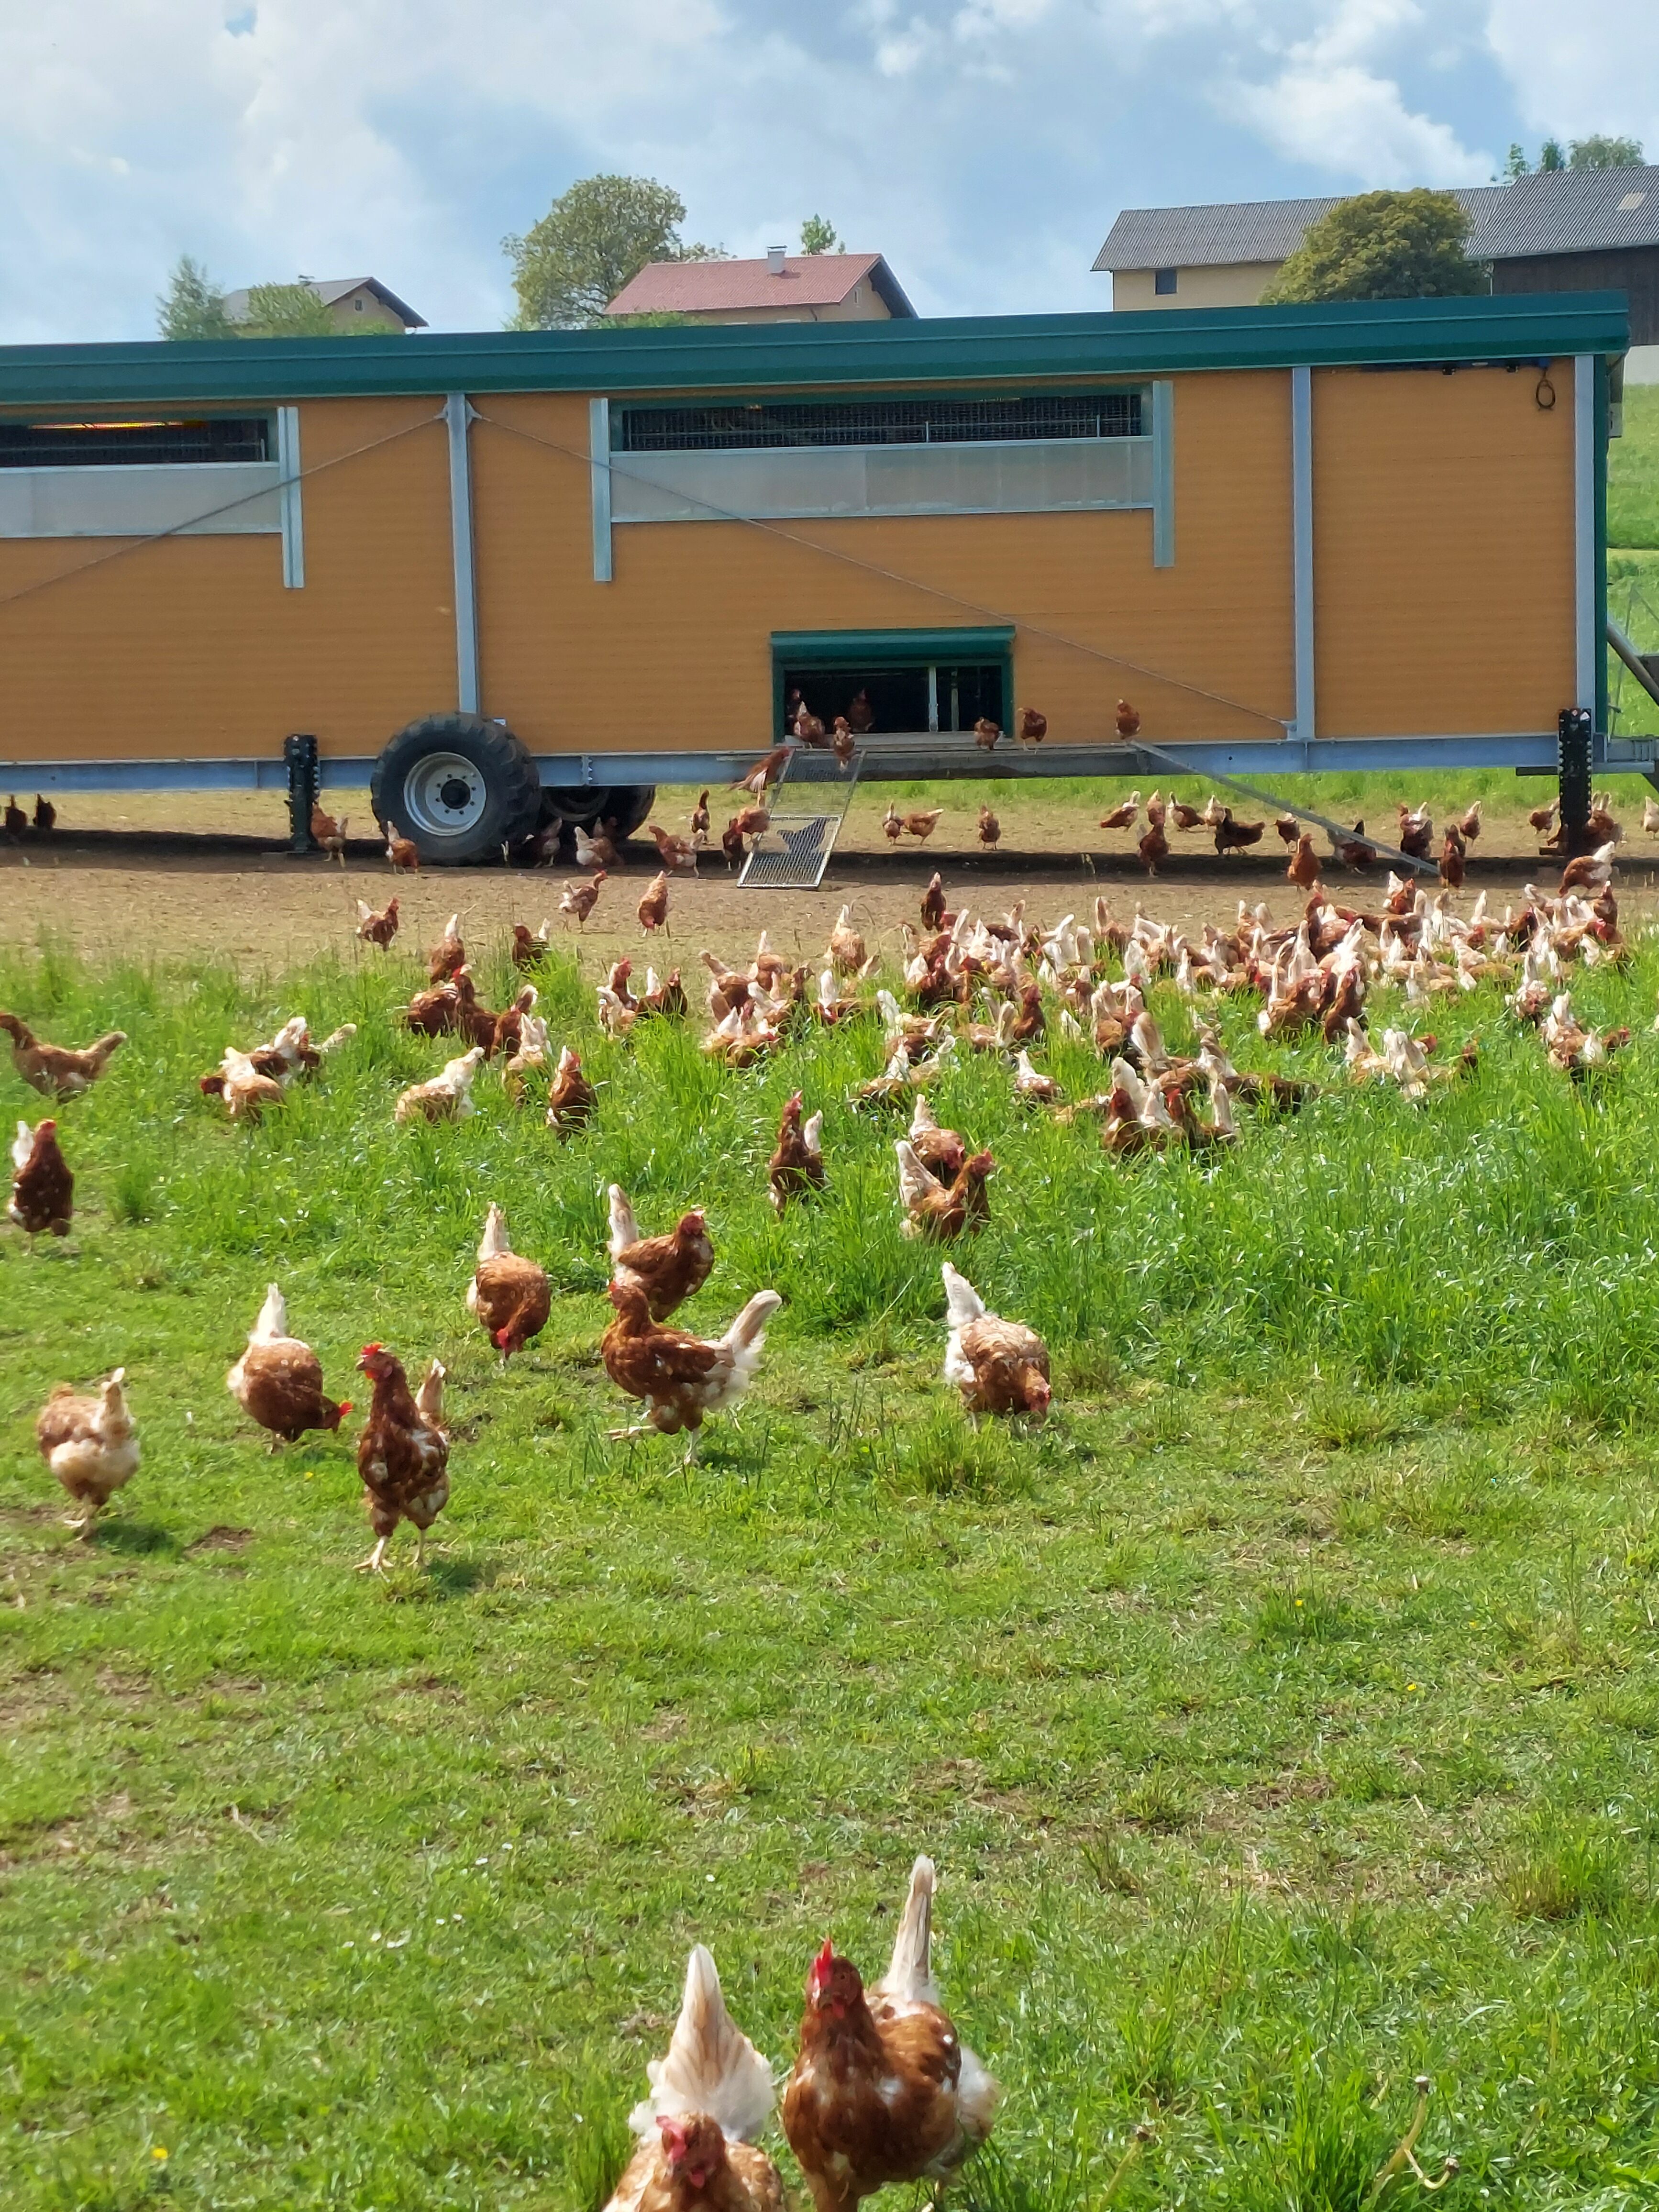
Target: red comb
(368, 1348)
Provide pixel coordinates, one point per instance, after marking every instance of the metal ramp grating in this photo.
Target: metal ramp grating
(808, 805)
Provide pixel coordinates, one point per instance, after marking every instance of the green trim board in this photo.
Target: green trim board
(816, 355)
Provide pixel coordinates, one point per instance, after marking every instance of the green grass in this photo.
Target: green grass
(1283, 1717)
(1633, 472)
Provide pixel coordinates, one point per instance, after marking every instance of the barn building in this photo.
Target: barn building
(500, 571)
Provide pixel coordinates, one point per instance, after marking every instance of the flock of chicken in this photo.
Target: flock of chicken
(1316, 974)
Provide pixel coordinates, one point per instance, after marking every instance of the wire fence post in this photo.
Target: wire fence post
(300, 754)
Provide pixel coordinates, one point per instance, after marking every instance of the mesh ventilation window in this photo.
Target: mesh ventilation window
(177, 442)
(742, 429)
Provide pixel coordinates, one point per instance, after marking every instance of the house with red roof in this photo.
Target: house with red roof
(784, 288)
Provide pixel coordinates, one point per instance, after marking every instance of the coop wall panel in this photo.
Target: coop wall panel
(674, 652)
(190, 648)
(224, 499)
(1443, 550)
(1034, 477)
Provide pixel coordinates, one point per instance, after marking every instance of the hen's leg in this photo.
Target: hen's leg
(372, 1563)
(624, 1435)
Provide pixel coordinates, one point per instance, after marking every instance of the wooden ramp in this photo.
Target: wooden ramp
(808, 805)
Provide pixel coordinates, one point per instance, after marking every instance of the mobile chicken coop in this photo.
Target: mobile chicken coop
(490, 574)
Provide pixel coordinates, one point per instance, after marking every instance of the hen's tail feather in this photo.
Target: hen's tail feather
(273, 1317)
(962, 1302)
(624, 1229)
(748, 1332)
(430, 1397)
(710, 2065)
(911, 1976)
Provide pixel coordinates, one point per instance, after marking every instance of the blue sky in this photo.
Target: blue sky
(983, 145)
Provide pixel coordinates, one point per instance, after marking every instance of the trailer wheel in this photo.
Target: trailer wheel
(628, 805)
(460, 786)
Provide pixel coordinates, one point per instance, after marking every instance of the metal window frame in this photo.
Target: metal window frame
(1163, 538)
(289, 473)
(930, 649)
(1303, 727)
(457, 417)
(598, 474)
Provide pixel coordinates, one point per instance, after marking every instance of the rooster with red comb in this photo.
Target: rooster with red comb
(710, 2096)
(883, 2090)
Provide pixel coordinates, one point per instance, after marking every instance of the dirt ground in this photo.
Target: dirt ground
(208, 875)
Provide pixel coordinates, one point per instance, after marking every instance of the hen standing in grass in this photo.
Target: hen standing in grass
(91, 1445)
(711, 2095)
(883, 2090)
(278, 1381)
(402, 1453)
(796, 1166)
(933, 1210)
(667, 1269)
(572, 1098)
(681, 1378)
(42, 1187)
(509, 1294)
(999, 1366)
(58, 1070)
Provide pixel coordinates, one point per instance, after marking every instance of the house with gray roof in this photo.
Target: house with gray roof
(1559, 230)
(353, 303)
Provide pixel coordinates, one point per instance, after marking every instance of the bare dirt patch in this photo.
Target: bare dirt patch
(208, 876)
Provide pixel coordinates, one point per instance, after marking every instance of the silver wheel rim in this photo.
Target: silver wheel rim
(445, 795)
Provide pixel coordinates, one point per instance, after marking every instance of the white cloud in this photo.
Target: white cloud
(984, 145)
(1591, 67)
(1328, 106)
(1341, 118)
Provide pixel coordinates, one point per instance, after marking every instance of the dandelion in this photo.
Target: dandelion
(158, 2154)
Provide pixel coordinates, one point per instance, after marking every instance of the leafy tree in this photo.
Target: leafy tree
(1599, 151)
(817, 235)
(1383, 245)
(1550, 156)
(287, 311)
(192, 306)
(1517, 165)
(592, 241)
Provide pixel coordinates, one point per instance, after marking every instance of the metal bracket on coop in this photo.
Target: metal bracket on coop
(808, 806)
(1575, 741)
(304, 783)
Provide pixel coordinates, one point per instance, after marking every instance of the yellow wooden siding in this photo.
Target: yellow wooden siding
(1443, 552)
(189, 647)
(675, 653)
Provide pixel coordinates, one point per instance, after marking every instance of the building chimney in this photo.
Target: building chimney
(774, 260)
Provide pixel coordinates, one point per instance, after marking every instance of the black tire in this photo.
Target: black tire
(626, 804)
(461, 787)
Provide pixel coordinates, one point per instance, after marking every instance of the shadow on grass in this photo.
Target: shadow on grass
(136, 1539)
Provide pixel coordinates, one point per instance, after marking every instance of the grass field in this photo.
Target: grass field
(1633, 472)
(1283, 1717)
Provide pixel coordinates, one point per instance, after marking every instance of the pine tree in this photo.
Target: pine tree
(192, 306)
